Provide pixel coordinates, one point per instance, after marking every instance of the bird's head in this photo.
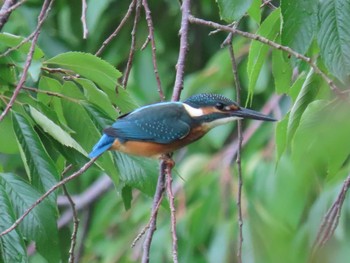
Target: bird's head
(214, 109)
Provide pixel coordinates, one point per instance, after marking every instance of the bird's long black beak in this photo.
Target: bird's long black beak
(251, 114)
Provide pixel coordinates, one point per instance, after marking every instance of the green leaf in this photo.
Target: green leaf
(39, 166)
(334, 37)
(97, 97)
(255, 11)
(40, 225)
(8, 142)
(233, 10)
(12, 245)
(54, 130)
(8, 41)
(306, 95)
(281, 136)
(324, 128)
(127, 196)
(90, 67)
(258, 51)
(299, 23)
(282, 72)
(138, 172)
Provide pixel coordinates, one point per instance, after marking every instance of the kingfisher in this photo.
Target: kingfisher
(164, 127)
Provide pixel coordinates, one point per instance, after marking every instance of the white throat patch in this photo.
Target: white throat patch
(218, 122)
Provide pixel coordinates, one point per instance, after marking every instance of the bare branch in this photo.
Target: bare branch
(83, 19)
(153, 43)
(43, 14)
(169, 178)
(6, 11)
(115, 33)
(228, 41)
(180, 65)
(331, 219)
(51, 190)
(156, 200)
(133, 44)
(272, 44)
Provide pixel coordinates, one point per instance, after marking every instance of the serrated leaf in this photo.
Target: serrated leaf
(39, 166)
(40, 224)
(282, 71)
(138, 172)
(334, 37)
(9, 40)
(306, 95)
(127, 196)
(8, 142)
(54, 130)
(255, 11)
(258, 51)
(97, 97)
(12, 244)
(90, 67)
(281, 136)
(322, 136)
(233, 10)
(83, 122)
(299, 23)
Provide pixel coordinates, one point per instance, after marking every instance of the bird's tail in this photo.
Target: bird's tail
(103, 145)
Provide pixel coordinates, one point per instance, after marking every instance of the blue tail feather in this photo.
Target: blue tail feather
(103, 145)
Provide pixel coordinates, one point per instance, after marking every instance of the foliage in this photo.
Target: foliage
(291, 173)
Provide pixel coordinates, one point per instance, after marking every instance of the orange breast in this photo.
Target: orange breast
(153, 149)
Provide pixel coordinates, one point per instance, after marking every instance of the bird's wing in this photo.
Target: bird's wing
(158, 123)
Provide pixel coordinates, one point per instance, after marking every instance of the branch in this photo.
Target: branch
(85, 199)
(43, 14)
(275, 45)
(133, 44)
(224, 158)
(239, 149)
(331, 219)
(169, 178)
(153, 43)
(51, 190)
(156, 200)
(6, 11)
(115, 33)
(180, 65)
(83, 19)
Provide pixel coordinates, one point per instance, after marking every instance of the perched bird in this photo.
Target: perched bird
(167, 126)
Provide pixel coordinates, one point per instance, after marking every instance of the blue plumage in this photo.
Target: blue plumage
(103, 145)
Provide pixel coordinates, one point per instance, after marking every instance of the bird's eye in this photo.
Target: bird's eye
(220, 106)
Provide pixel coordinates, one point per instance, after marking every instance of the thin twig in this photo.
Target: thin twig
(146, 227)
(52, 189)
(11, 8)
(42, 17)
(75, 225)
(172, 209)
(266, 41)
(5, 11)
(133, 44)
(43, 13)
(331, 219)
(240, 140)
(157, 196)
(50, 93)
(153, 44)
(180, 65)
(223, 159)
(75, 217)
(83, 19)
(120, 26)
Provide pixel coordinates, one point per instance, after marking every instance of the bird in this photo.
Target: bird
(163, 127)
